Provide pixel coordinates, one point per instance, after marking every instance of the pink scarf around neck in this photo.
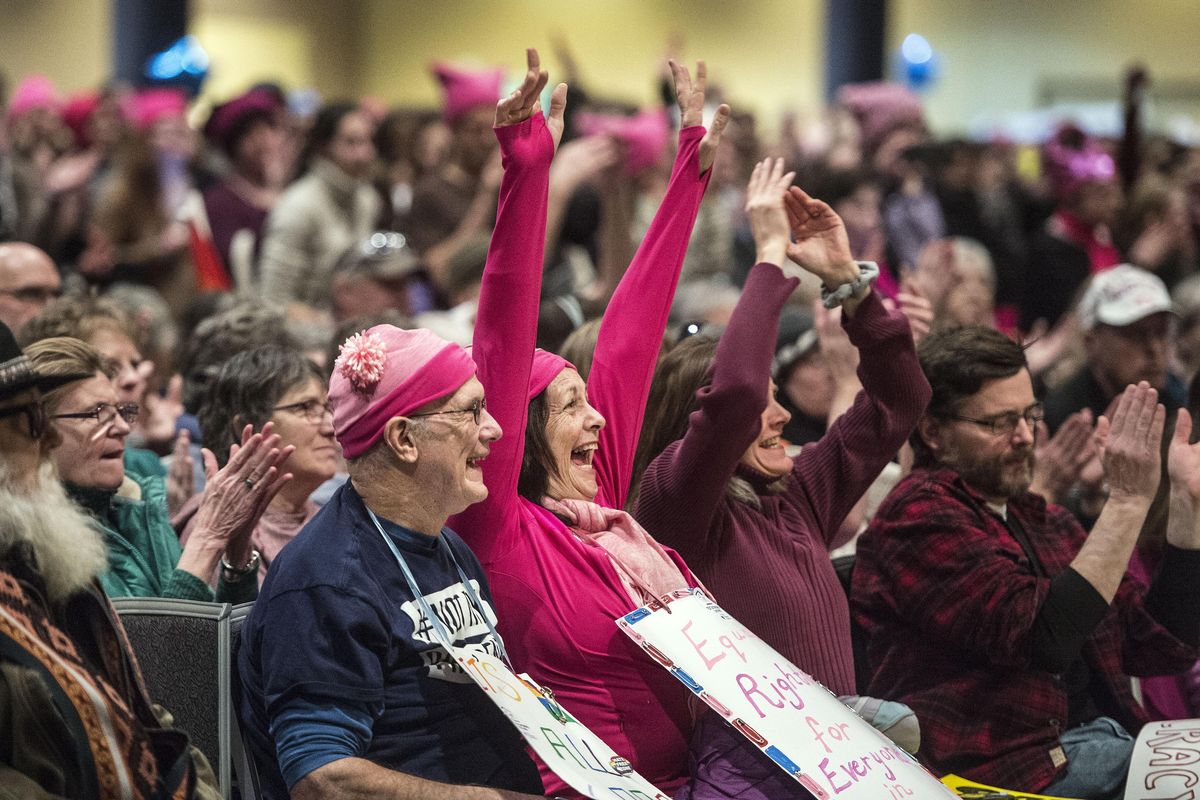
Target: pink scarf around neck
(645, 569)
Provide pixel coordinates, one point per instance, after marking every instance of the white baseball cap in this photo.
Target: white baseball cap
(1121, 296)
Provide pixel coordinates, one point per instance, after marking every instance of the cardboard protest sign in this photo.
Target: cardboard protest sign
(1166, 762)
(578, 756)
(794, 720)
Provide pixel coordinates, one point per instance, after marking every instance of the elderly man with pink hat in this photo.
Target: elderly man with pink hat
(346, 686)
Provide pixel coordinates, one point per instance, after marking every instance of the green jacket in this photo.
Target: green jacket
(143, 548)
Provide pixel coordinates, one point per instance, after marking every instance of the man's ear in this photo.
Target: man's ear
(398, 433)
(928, 428)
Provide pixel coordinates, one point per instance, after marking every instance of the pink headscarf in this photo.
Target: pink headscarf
(546, 367)
(387, 372)
(464, 89)
(644, 135)
(1068, 167)
(33, 92)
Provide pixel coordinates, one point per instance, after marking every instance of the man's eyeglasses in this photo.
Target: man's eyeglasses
(105, 413)
(35, 415)
(312, 410)
(475, 410)
(1006, 424)
(33, 294)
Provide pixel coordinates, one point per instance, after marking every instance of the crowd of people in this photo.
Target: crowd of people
(544, 357)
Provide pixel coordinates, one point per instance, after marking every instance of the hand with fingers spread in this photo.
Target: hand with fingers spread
(522, 103)
(235, 498)
(1059, 460)
(181, 476)
(689, 95)
(764, 207)
(820, 244)
(1131, 443)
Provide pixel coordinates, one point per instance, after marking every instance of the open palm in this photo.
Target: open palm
(1183, 458)
(522, 103)
(819, 242)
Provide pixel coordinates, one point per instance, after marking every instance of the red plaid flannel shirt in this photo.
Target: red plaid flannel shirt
(948, 599)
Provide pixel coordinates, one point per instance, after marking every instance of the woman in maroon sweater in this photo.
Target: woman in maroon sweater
(753, 524)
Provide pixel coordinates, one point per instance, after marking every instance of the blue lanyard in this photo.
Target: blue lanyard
(439, 628)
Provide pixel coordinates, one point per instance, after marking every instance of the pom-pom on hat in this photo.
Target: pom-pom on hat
(34, 92)
(387, 372)
(150, 105)
(644, 135)
(1071, 158)
(464, 89)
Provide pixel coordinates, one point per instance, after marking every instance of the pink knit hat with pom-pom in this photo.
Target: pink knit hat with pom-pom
(387, 372)
(463, 88)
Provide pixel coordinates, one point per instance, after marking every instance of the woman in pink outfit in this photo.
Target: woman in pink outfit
(562, 560)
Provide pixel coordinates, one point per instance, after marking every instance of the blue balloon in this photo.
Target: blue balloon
(183, 64)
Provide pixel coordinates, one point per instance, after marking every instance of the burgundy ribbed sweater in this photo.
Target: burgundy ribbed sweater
(770, 568)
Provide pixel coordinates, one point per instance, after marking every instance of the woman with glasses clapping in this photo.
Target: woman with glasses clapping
(274, 386)
(145, 559)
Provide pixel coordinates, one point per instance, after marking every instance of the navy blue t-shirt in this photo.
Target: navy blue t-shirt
(337, 660)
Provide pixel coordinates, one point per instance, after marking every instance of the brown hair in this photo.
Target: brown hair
(677, 379)
(957, 363)
(63, 355)
(79, 317)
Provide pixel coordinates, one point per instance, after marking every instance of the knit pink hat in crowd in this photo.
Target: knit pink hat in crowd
(1071, 158)
(463, 88)
(546, 367)
(387, 372)
(150, 105)
(644, 135)
(881, 107)
(33, 92)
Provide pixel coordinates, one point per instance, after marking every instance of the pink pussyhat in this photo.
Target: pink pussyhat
(34, 92)
(149, 106)
(644, 135)
(881, 107)
(464, 89)
(387, 372)
(546, 367)
(78, 112)
(1071, 158)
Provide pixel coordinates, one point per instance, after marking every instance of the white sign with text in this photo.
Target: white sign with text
(1166, 762)
(567, 746)
(794, 720)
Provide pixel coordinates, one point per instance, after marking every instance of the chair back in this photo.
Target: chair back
(184, 651)
(243, 764)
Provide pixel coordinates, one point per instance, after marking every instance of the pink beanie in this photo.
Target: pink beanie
(149, 106)
(33, 92)
(644, 135)
(464, 89)
(881, 107)
(546, 367)
(1071, 158)
(387, 372)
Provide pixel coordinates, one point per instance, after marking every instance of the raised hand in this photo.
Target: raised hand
(1060, 459)
(522, 103)
(1131, 444)
(764, 207)
(1183, 458)
(689, 95)
(919, 311)
(820, 243)
(181, 478)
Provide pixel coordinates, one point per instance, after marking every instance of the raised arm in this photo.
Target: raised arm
(683, 487)
(506, 323)
(831, 474)
(633, 326)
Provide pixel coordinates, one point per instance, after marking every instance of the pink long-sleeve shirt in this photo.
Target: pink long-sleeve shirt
(556, 596)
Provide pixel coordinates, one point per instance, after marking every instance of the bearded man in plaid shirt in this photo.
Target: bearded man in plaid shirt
(1008, 629)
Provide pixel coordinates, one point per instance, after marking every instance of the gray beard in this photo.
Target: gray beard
(70, 552)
